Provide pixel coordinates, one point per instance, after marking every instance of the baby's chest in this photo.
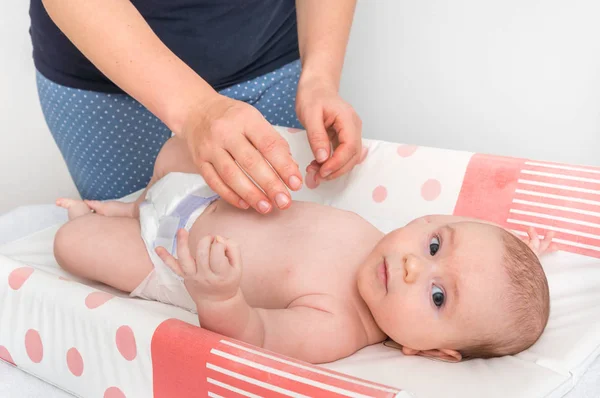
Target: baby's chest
(287, 272)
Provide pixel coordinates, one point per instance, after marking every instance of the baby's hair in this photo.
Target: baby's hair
(528, 302)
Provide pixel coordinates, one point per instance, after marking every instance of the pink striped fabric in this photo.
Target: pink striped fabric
(189, 361)
(519, 194)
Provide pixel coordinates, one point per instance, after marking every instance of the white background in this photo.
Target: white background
(513, 77)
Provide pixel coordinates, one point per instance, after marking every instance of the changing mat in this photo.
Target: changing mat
(96, 342)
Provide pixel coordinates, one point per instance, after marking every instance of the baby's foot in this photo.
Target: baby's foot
(75, 207)
(112, 208)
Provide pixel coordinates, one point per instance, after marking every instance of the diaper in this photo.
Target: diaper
(173, 202)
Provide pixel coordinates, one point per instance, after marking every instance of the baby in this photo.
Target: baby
(312, 282)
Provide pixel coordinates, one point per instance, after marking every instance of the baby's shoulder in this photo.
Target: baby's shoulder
(344, 310)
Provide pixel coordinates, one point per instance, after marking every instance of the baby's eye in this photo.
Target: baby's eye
(434, 245)
(437, 295)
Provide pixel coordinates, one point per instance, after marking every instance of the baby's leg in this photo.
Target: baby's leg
(104, 249)
(173, 157)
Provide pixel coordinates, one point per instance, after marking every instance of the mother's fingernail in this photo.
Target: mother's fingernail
(264, 206)
(243, 204)
(295, 182)
(282, 200)
(321, 155)
(325, 173)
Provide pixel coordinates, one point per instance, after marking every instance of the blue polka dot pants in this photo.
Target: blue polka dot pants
(110, 141)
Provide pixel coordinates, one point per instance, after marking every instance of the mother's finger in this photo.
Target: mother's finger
(317, 134)
(238, 181)
(276, 150)
(216, 183)
(259, 170)
(349, 148)
(353, 161)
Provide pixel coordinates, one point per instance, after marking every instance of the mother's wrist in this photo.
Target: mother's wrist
(319, 73)
(189, 110)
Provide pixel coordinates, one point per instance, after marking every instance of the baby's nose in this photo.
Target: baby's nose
(412, 268)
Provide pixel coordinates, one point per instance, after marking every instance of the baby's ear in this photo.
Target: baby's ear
(441, 354)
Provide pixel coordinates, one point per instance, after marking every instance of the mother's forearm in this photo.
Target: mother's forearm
(117, 40)
(323, 31)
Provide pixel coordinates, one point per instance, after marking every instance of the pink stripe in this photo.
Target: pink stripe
(559, 191)
(293, 369)
(555, 213)
(574, 173)
(559, 202)
(560, 181)
(346, 385)
(565, 225)
(224, 392)
(242, 385)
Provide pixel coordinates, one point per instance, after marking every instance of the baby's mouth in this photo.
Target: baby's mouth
(383, 274)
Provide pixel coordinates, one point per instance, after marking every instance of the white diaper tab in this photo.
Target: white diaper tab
(174, 202)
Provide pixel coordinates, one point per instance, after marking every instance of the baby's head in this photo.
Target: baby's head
(451, 289)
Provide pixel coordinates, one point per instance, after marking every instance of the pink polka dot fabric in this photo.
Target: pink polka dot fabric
(379, 194)
(75, 362)
(125, 341)
(62, 340)
(96, 299)
(5, 355)
(34, 346)
(114, 392)
(17, 278)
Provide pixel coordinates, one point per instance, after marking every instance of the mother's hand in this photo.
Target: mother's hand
(329, 120)
(230, 140)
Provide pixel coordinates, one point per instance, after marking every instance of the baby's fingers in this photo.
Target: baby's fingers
(171, 261)
(534, 241)
(203, 253)
(546, 244)
(219, 263)
(186, 261)
(233, 253)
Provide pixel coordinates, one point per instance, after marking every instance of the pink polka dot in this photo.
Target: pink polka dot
(75, 362)
(292, 130)
(5, 355)
(96, 299)
(113, 392)
(33, 346)
(379, 194)
(126, 343)
(18, 277)
(431, 189)
(363, 154)
(406, 150)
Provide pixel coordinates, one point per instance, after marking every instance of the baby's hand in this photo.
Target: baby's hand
(540, 247)
(217, 271)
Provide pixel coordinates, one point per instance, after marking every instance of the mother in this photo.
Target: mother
(117, 77)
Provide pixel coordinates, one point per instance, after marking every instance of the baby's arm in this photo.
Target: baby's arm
(313, 328)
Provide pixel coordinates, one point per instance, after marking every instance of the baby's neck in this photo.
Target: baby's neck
(372, 330)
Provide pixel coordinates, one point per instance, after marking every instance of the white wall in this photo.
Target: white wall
(511, 77)
(516, 77)
(31, 168)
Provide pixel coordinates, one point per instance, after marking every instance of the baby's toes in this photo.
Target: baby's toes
(65, 203)
(76, 208)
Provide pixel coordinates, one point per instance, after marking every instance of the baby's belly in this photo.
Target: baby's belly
(285, 255)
